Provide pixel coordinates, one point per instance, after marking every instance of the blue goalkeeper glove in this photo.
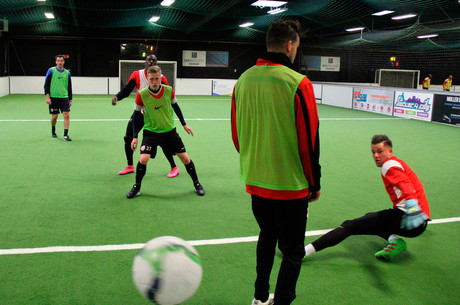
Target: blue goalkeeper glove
(414, 216)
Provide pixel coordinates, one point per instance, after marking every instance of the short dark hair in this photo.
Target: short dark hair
(57, 56)
(282, 31)
(381, 138)
(154, 69)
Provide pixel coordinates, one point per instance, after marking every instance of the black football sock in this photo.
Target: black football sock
(191, 171)
(128, 151)
(140, 172)
(53, 129)
(170, 158)
(66, 131)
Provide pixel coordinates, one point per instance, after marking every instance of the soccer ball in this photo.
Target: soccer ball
(167, 270)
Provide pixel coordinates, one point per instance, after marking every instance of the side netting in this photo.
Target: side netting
(397, 78)
(127, 67)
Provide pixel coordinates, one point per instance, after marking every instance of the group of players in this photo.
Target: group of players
(154, 109)
(153, 112)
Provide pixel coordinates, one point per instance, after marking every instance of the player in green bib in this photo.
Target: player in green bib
(58, 91)
(275, 130)
(158, 102)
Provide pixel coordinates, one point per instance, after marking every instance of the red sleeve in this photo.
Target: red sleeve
(397, 177)
(139, 101)
(173, 95)
(136, 77)
(233, 122)
(307, 124)
(164, 80)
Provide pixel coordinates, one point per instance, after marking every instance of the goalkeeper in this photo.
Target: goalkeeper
(408, 217)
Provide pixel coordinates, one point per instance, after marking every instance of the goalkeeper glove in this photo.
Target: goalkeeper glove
(414, 216)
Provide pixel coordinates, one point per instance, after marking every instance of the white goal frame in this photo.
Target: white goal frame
(378, 75)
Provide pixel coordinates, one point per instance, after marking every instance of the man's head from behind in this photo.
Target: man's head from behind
(283, 37)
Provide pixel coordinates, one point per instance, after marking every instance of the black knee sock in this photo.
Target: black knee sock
(53, 129)
(140, 172)
(170, 158)
(128, 151)
(66, 131)
(191, 171)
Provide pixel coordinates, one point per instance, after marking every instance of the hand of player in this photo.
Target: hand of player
(414, 216)
(188, 130)
(134, 144)
(314, 196)
(48, 100)
(114, 101)
(70, 103)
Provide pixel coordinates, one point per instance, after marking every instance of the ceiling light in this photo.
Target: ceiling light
(355, 29)
(49, 15)
(41, 0)
(263, 3)
(427, 36)
(382, 13)
(167, 2)
(245, 25)
(403, 16)
(277, 11)
(154, 19)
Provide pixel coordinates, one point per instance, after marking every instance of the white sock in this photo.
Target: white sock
(392, 236)
(309, 249)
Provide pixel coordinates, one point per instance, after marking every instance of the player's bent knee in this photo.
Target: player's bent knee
(144, 159)
(184, 158)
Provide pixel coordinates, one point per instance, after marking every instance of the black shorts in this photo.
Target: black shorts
(59, 104)
(129, 127)
(169, 141)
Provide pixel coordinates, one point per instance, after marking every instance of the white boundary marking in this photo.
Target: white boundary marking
(195, 119)
(220, 241)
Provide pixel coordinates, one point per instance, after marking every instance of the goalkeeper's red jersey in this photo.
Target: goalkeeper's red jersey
(402, 184)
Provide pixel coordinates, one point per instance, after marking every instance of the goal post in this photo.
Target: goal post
(127, 67)
(397, 78)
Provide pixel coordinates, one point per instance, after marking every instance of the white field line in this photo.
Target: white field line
(194, 119)
(205, 242)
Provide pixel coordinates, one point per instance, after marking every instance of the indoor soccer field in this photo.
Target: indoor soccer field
(69, 235)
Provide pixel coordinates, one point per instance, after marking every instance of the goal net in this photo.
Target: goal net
(127, 67)
(397, 78)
